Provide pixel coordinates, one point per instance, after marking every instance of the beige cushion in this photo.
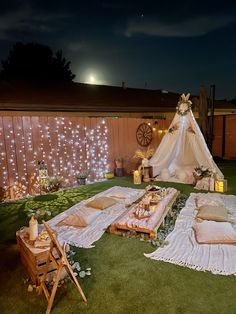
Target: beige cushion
(102, 202)
(119, 196)
(165, 174)
(211, 212)
(212, 232)
(74, 220)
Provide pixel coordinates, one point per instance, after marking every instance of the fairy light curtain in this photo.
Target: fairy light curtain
(66, 145)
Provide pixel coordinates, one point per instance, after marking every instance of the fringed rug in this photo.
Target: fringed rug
(182, 248)
(85, 237)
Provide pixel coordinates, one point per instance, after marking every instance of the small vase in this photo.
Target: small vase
(145, 162)
(119, 164)
(81, 181)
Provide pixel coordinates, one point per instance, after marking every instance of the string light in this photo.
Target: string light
(66, 149)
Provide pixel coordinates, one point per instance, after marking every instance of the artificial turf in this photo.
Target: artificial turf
(122, 280)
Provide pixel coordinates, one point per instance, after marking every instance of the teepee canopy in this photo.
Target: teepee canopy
(183, 147)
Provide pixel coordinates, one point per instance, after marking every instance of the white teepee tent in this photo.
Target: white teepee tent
(183, 148)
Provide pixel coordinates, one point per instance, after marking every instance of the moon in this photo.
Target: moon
(92, 79)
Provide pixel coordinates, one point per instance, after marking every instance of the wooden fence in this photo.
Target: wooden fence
(69, 145)
(224, 144)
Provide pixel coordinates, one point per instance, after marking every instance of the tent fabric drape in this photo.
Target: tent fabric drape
(183, 147)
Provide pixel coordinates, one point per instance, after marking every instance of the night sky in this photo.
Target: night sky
(171, 45)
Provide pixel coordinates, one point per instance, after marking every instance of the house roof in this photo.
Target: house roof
(80, 97)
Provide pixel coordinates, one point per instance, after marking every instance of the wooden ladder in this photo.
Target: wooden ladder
(59, 263)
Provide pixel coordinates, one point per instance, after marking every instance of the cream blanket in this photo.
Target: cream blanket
(85, 237)
(185, 251)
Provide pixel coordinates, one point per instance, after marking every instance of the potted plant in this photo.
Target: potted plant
(119, 161)
(82, 176)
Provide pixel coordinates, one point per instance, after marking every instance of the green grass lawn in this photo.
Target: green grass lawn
(122, 280)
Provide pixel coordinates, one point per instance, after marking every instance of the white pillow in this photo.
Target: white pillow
(212, 232)
(165, 174)
(81, 218)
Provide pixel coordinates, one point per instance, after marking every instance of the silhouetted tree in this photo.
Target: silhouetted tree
(233, 101)
(35, 63)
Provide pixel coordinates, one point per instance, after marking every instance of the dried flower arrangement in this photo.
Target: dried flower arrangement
(144, 154)
(42, 165)
(82, 175)
(201, 172)
(191, 130)
(120, 158)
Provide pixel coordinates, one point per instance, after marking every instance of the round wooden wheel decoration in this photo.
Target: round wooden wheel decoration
(144, 134)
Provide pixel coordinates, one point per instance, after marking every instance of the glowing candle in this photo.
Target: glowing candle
(137, 177)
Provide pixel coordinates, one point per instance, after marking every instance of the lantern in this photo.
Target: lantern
(43, 173)
(137, 177)
(220, 185)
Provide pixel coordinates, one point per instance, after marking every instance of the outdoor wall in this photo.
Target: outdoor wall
(67, 145)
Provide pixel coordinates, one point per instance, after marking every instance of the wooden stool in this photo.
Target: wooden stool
(59, 263)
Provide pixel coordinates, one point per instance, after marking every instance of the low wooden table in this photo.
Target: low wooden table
(149, 225)
(34, 259)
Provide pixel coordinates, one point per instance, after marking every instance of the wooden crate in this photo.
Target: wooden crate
(34, 259)
(117, 228)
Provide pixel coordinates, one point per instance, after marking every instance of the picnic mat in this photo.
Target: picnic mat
(182, 248)
(85, 237)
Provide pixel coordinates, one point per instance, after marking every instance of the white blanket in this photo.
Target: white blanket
(185, 251)
(85, 237)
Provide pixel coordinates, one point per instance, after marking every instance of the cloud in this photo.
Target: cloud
(77, 46)
(25, 20)
(13, 21)
(192, 27)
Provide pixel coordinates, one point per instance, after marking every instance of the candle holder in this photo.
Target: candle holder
(137, 177)
(220, 185)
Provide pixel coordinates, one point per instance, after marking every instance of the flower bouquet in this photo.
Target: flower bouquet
(201, 172)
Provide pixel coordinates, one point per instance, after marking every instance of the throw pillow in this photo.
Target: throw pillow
(101, 203)
(212, 232)
(119, 196)
(210, 212)
(165, 174)
(74, 220)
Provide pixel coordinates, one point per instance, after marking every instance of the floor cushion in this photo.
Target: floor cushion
(101, 203)
(212, 232)
(211, 212)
